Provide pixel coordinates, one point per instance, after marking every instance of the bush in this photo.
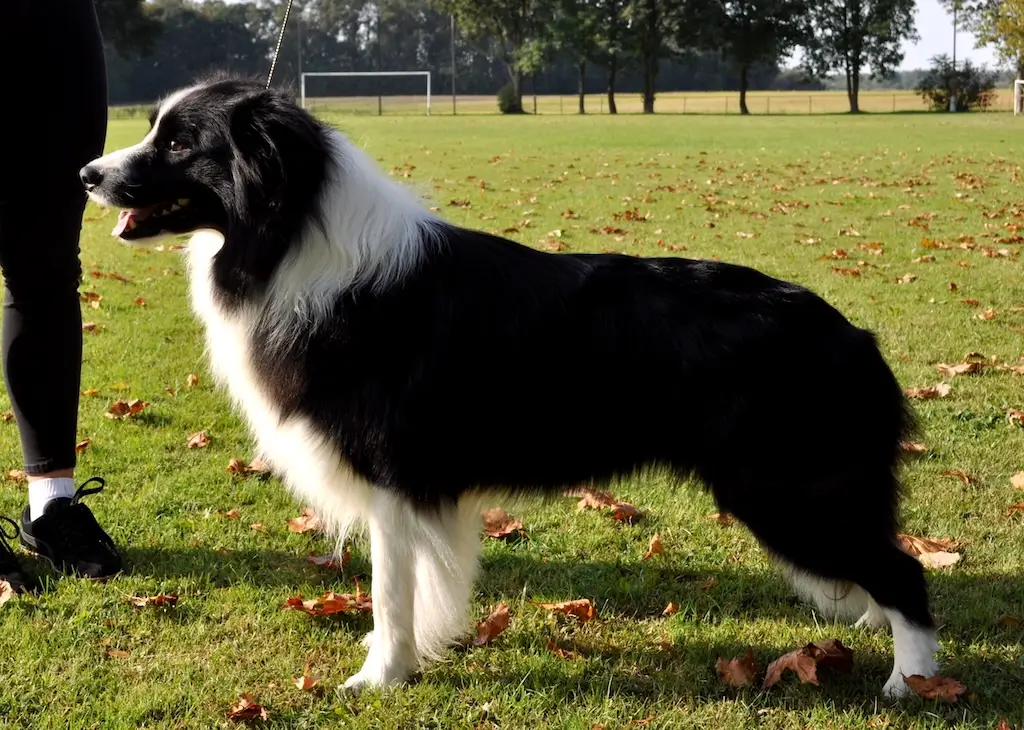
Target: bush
(974, 86)
(507, 101)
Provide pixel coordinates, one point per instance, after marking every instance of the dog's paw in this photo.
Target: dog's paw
(874, 619)
(375, 678)
(896, 688)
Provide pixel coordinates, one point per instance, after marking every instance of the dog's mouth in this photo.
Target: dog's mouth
(177, 216)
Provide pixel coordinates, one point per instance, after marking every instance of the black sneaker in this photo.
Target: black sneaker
(69, 537)
(10, 568)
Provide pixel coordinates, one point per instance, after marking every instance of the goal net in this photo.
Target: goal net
(366, 92)
(1018, 97)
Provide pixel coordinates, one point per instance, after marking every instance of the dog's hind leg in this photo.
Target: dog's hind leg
(392, 657)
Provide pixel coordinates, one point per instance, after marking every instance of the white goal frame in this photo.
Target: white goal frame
(302, 81)
(1018, 97)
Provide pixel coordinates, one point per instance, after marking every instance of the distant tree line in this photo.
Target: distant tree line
(531, 46)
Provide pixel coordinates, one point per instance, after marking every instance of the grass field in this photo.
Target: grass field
(846, 206)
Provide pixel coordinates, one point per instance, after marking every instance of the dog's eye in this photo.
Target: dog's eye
(176, 146)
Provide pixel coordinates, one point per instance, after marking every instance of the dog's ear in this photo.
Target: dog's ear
(267, 123)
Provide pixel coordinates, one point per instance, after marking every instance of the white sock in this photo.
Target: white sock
(43, 491)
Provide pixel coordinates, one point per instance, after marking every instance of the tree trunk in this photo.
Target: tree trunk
(853, 88)
(582, 81)
(650, 77)
(515, 76)
(743, 90)
(613, 67)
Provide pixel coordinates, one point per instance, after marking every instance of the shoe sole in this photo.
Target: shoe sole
(30, 544)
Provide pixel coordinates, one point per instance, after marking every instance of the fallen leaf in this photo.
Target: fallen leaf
(157, 600)
(246, 708)
(500, 525)
(7, 416)
(1017, 480)
(580, 608)
(331, 603)
(906, 279)
(1003, 724)
(198, 440)
(117, 653)
(830, 654)
(1014, 509)
(90, 327)
(232, 514)
(670, 609)
(722, 518)
(306, 682)
(591, 498)
(82, 446)
(6, 592)
(307, 521)
(258, 466)
(329, 561)
(945, 689)
(1010, 622)
(625, 512)
(710, 583)
(917, 545)
(739, 671)
(121, 410)
(259, 527)
(91, 392)
(926, 259)
(192, 380)
(495, 623)
(140, 302)
(239, 467)
(17, 475)
(1015, 416)
(971, 302)
(560, 652)
(960, 474)
(988, 315)
(940, 390)
(913, 447)
(963, 368)
(654, 548)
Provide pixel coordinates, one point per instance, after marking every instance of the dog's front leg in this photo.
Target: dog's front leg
(392, 657)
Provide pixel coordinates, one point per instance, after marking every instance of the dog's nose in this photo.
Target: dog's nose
(91, 176)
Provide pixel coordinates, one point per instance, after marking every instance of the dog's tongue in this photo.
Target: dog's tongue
(128, 218)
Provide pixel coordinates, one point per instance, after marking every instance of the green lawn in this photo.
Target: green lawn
(775, 193)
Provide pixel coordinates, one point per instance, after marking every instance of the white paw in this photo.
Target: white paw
(873, 619)
(367, 641)
(377, 673)
(896, 688)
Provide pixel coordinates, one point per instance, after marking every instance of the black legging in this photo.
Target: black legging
(56, 121)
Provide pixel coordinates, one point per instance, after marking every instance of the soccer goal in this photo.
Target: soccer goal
(367, 92)
(1018, 97)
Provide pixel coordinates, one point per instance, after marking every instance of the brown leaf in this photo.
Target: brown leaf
(198, 440)
(1014, 509)
(121, 410)
(832, 654)
(722, 518)
(82, 446)
(329, 561)
(91, 392)
(928, 392)
(591, 498)
(232, 514)
(913, 447)
(246, 708)
(945, 689)
(307, 521)
(6, 592)
(500, 525)
(332, 603)
(259, 527)
(581, 608)
(560, 652)
(1015, 416)
(90, 327)
(971, 302)
(938, 560)
(139, 302)
(988, 315)
(625, 512)
(1017, 480)
(963, 368)
(739, 671)
(671, 609)
(654, 548)
(157, 600)
(7, 416)
(192, 380)
(306, 682)
(906, 279)
(117, 653)
(258, 466)
(1003, 724)
(495, 623)
(960, 474)
(800, 661)
(917, 545)
(17, 475)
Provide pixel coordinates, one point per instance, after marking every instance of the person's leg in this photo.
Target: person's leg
(40, 224)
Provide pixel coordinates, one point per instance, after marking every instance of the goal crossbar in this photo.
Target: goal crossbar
(302, 80)
(1018, 97)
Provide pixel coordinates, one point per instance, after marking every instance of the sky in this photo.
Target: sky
(935, 26)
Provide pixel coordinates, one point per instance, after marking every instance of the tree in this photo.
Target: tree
(575, 35)
(127, 26)
(973, 86)
(999, 23)
(847, 35)
(512, 26)
(610, 33)
(749, 32)
(651, 24)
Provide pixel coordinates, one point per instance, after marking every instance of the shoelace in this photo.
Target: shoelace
(85, 533)
(83, 492)
(5, 547)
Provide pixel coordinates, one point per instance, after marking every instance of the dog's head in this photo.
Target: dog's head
(226, 155)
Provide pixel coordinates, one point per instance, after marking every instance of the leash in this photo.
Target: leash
(280, 37)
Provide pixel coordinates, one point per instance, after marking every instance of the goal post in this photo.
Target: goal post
(1018, 97)
(361, 74)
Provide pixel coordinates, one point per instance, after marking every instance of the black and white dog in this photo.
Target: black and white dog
(402, 372)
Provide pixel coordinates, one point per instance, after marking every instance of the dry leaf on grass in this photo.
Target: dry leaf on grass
(307, 521)
(941, 390)
(259, 527)
(246, 708)
(1015, 416)
(6, 592)
(8, 416)
(121, 410)
(1003, 724)
(739, 671)
(930, 553)
(723, 518)
(960, 474)
(964, 368)
(192, 380)
(591, 498)
(17, 475)
(581, 608)
(1014, 509)
(233, 513)
(625, 512)
(671, 609)
(944, 689)
(162, 599)
(654, 548)
(88, 392)
(906, 279)
(559, 651)
(330, 561)
(913, 447)
(307, 681)
(256, 466)
(198, 440)
(332, 603)
(830, 654)
(82, 446)
(117, 653)
(500, 525)
(495, 623)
